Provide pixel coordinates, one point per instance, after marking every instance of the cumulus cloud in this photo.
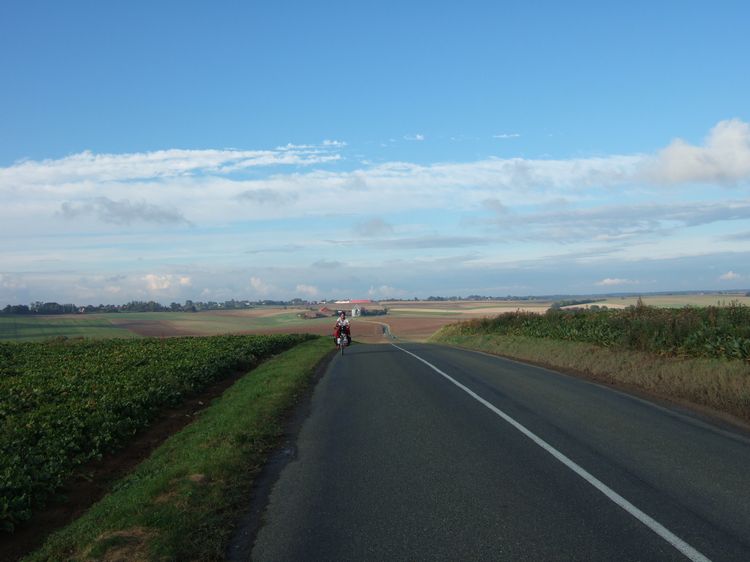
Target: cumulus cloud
(307, 290)
(730, 276)
(261, 288)
(506, 136)
(334, 143)
(724, 157)
(162, 282)
(416, 137)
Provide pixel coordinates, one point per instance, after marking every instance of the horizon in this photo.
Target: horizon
(432, 298)
(187, 152)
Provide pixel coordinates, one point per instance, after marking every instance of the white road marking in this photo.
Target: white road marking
(687, 550)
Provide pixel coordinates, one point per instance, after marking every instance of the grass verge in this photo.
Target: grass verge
(717, 384)
(181, 503)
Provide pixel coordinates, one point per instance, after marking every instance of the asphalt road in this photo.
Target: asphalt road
(472, 457)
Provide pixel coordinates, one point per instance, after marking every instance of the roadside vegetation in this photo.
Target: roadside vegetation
(720, 332)
(181, 503)
(699, 355)
(65, 402)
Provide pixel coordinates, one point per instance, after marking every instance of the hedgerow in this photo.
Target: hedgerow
(715, 331)
(65, 402)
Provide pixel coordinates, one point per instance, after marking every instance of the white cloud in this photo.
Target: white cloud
(307, 290)
(167, 186)
(162, 282)
(105, 214)
(614, 282)
(334, 143)
(158, 164)
(385, 292)
(730, 276)
(506, 136)
(724, 157)
(156, 282)
(260, 287)
(416, 137)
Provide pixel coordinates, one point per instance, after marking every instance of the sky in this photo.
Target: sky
(271, 150)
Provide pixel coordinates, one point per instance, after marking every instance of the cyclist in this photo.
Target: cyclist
(342, 324)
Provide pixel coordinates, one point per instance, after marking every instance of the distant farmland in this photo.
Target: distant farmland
(415, 320)
(155, 324)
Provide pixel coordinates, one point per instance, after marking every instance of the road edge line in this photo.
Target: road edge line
(684, 548)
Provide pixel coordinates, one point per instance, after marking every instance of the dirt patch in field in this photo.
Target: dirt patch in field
(92, 481)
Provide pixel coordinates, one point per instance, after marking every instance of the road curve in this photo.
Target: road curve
(406, 455)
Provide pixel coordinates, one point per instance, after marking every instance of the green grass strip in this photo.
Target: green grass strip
(181, 503)
(719, 384)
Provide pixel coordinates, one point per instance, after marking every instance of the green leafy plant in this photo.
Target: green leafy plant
(65, 402)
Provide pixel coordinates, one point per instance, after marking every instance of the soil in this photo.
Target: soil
(92, 481)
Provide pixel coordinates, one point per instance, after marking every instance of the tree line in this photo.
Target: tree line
(141, 306)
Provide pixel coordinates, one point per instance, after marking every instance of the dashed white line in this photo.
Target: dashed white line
(687, 550)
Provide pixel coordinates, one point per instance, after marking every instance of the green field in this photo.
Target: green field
(65, 402)
(29, 328)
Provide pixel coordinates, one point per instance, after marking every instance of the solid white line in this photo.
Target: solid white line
(651, 523)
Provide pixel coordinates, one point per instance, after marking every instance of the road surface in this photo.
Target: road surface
(421, 452)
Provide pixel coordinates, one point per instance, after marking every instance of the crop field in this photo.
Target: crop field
(63, 403)
(716, 332)
(29, 328)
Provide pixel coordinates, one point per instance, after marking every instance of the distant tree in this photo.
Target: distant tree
(17, 309)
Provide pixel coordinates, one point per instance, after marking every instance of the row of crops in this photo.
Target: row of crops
(64, 403)
(720, 332)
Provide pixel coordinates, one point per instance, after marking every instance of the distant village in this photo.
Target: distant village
(353, 308)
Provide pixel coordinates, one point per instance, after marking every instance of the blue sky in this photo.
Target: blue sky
(210, 151)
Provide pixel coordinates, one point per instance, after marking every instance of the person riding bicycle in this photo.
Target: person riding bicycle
(342, 324)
